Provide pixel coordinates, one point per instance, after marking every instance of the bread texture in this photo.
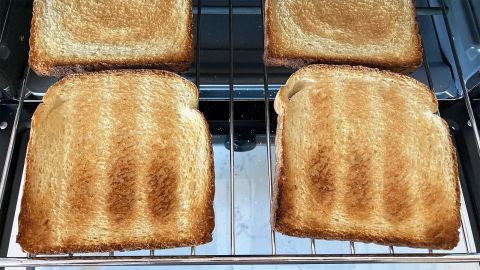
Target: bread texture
(362, 156)
(69, 36)
(117, 160)
(380, 34)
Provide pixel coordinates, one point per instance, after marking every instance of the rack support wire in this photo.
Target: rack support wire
(197, 66)
(313, 246)
(30, 267)
(466, 97)
(269, 145)
(232, 132)
(240, 260)
(13, 136)
(5, 20)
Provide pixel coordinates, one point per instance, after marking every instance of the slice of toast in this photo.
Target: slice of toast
(69, 36)
(373, 33)
(117, 160)
(362, 156)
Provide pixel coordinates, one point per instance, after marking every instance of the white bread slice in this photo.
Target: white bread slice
(117, 160)
(373, 33)
(361, 156)
(69, 36)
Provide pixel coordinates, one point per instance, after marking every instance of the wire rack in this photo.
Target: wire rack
(232, 259)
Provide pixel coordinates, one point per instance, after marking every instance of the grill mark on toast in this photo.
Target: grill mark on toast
(122, 174)
(162, 182)
(80, 193)
(396, 191)
(122, 183)
(162, 172)
(358, 199)
(321, 165)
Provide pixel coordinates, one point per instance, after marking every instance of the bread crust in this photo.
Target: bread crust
(277, 56)
(284, 217)
(34, 241)
(47, 66)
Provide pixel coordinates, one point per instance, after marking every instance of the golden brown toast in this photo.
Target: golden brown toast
(117, 160)
(362, 156)
(69, 36)
(373, 33)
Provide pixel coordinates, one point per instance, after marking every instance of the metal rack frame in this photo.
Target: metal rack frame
(193, 259)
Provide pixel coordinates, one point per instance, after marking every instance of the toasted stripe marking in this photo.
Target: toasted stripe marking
(162, 183)
(84, 174)
(321, 165)
(122, 174)
(358, 151)
(162, 172)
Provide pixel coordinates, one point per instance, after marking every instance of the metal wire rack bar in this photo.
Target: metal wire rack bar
(352, 247)
(232, 131)
(232, 259)
(30, 267)
(13, 136)
(269, 147)
(5, 20)
(241, 260)
(197, 73)
(466, 97)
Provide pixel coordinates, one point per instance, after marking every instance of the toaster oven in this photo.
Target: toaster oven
(236, 97)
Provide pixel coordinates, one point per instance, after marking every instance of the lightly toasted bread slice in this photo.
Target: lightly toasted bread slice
(382, 34)
(70, 36)
(362, 156)
(117, 160)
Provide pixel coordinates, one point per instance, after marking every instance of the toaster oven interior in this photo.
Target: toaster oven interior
(236, 97)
